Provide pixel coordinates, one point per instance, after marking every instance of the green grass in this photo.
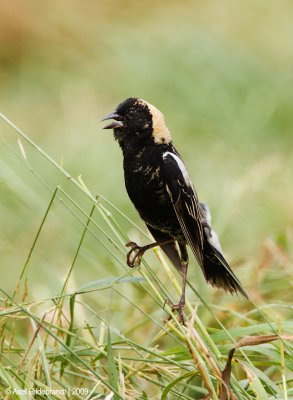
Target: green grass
(89, 337)
(73, 315)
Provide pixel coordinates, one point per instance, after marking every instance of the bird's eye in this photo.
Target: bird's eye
(130, 114)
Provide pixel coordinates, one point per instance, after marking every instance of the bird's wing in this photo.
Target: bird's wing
(169, 249)
(216, 269)
(209, 233)
(184, 201)
(195, 221)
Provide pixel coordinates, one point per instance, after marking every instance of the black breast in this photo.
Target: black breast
(147, 190)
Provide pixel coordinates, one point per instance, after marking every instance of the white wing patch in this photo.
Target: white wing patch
(211, 235)
(214, 241)
(181, 166)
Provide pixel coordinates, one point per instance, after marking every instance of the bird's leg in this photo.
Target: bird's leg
(136, 252)
(180, 306)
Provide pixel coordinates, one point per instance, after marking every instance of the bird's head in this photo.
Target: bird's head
(136, 123)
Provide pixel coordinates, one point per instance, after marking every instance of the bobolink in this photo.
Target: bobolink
(158, 185)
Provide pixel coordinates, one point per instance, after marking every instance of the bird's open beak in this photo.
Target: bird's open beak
(118, 123)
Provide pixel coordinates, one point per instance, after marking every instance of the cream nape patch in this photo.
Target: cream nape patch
(161, 133)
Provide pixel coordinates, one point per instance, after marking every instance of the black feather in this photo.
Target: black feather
(169, 249)
(160, 189)
(218, 272)
(193, 217)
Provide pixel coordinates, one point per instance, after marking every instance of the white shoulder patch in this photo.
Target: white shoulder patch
(181, 166)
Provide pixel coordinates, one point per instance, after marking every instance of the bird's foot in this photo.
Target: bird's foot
(177, 307)
(135, 253)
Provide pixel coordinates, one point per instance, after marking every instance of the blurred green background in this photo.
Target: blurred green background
(221, 72)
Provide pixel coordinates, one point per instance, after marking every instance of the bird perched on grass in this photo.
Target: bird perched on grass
(158, 185)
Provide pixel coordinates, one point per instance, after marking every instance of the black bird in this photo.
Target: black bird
(158, 185)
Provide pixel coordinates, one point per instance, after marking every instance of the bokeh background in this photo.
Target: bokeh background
(221, 72)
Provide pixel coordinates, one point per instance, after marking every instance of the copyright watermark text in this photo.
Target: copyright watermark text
(47, 391)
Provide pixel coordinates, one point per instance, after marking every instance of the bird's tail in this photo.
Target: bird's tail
(218, 272)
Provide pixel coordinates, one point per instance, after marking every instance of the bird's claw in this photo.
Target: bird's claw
(176, 307)
(134, 255)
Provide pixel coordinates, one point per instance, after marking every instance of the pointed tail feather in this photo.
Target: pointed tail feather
(218, 272)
